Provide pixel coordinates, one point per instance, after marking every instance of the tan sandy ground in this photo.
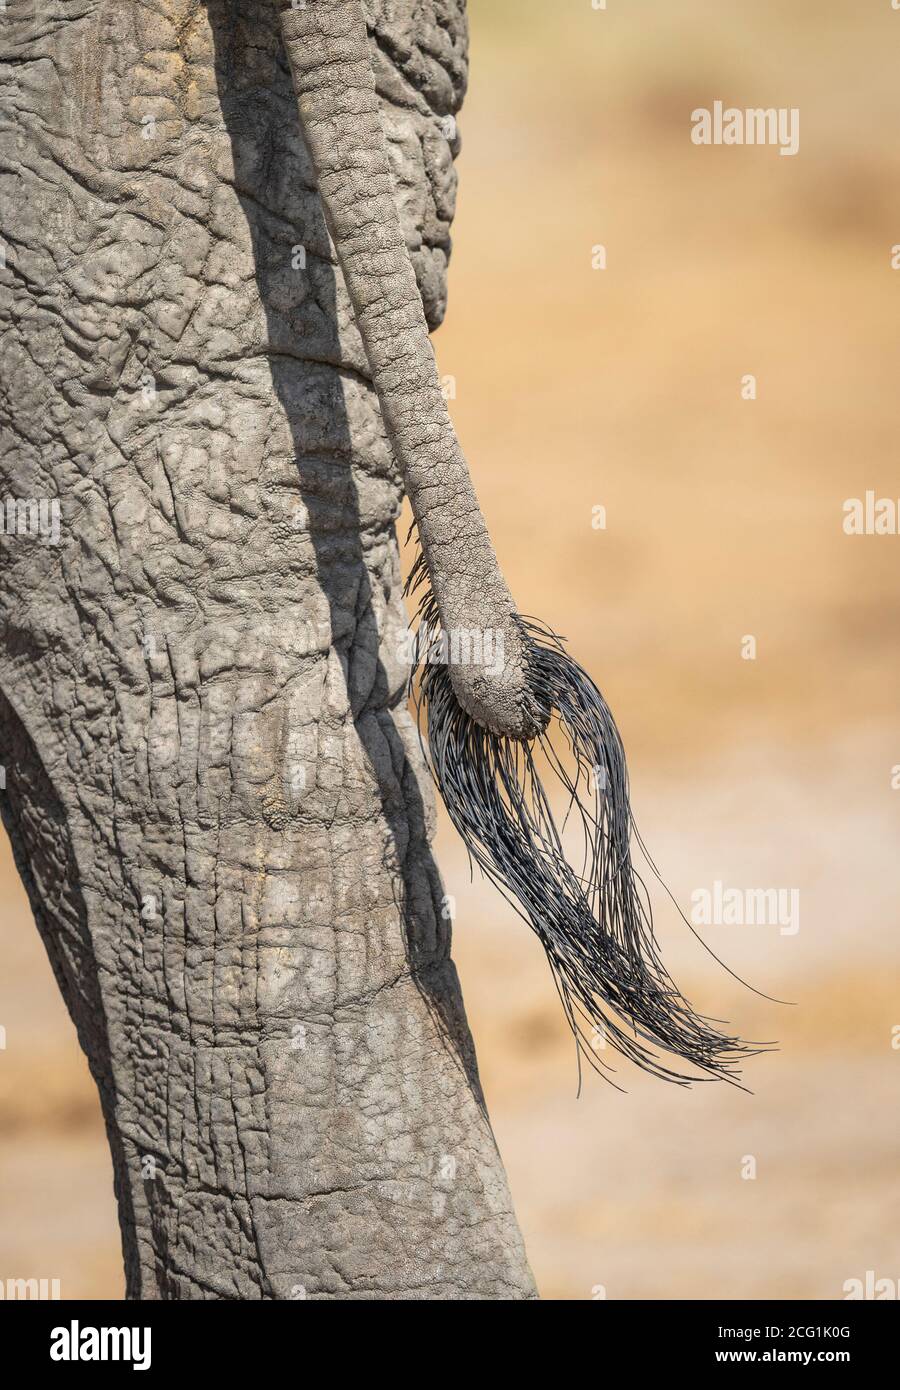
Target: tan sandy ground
(621, 388)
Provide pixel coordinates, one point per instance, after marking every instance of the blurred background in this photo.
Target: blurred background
(577, 389)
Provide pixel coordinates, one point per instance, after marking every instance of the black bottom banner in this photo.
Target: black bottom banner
(181, 1339)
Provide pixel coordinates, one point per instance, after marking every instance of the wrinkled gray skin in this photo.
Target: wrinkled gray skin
(213, 789)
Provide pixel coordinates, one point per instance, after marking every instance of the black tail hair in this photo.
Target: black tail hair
(596, 925)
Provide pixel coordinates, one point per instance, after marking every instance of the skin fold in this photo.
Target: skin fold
(214, 360)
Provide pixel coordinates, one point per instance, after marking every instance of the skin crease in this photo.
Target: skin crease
(214, 792)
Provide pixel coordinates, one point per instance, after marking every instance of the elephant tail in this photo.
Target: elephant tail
(487, 721)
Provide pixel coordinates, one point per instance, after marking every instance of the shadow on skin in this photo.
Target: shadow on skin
(259, 109)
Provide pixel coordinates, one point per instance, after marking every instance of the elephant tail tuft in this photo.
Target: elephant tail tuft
(594, 920)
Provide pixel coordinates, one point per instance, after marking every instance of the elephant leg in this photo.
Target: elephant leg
(214, 792)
